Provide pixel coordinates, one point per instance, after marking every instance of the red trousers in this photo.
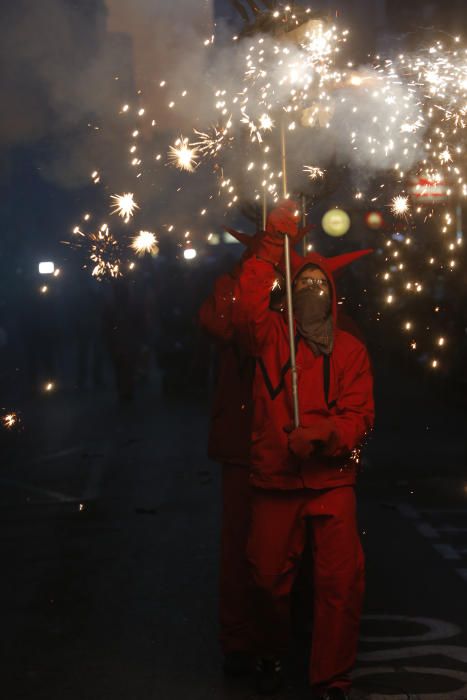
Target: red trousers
(235, 576)
(275, 544)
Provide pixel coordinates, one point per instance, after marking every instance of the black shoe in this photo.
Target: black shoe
(237, 663)
(333, 694)
(268, 676)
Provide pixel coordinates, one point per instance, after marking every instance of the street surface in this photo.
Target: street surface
(109, 545)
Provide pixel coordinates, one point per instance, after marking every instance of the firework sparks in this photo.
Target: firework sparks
(400, 205)
(266, 123)
(145, 242)
(105, 253)
(10, 420)
(211, 142)
(313, 172)
(124, 205)
(184, 155)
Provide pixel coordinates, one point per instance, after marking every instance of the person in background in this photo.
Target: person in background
(229, 444)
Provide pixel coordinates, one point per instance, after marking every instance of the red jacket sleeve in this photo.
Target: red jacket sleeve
(355, 405)
(215, 314)
(252, 314)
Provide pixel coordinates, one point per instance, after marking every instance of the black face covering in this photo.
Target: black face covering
(312, 311)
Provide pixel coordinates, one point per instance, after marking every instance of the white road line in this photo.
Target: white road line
(451, 652)
(434, 511)
(409, 511)
(447, 551)
(462, 573)
(427, 530)
(54, 495)
(436, 629)
(459, 694)
(56, 455)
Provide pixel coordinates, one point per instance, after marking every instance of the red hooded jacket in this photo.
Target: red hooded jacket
(231, 417)
(338, 390)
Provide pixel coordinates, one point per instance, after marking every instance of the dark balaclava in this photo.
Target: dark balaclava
(313, 313)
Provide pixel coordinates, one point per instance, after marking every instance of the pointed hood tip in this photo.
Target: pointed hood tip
(242, 238)
(341, 261)
(329, 265)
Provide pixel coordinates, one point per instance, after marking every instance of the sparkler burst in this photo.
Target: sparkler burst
(313, 172)
(105, 253)
(400, 205)
(184, 155)
(124, 205)
(211, 142)
(10, 420)
(266, 123)
(401, 119)
(145, 242)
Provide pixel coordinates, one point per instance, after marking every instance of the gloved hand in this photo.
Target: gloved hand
(304, 441)
(284, 219)
(281, 220)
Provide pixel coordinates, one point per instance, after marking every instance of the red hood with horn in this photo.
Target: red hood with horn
(252, 243)
(330, 266)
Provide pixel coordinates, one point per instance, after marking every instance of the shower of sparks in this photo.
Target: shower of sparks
(266, 123)
(10, 420)
(145, 242)
(104, 252)
(124, 205)
(211, 142)
(313, 172)
(183, 155)
(402, 119)
(400, 205)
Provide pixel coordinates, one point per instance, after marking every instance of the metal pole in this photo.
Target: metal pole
(303, 212)
(265, 209)
(288, 286)
(459, 224)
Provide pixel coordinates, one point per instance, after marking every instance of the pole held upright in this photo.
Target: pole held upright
(288, 284)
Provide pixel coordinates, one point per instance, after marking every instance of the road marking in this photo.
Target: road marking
(56, 455)
(427, 530)
(435, 511)
(459, 694)
(452, 652)
(53, 495)
(462, 573)
(447, 551)
(408, 511)
(437, 629)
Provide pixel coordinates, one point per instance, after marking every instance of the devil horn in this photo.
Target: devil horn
(243, 238)
(341, 261)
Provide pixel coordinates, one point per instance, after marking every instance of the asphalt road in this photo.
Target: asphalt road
(109, 545)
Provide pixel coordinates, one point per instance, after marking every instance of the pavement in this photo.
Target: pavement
(109, 545)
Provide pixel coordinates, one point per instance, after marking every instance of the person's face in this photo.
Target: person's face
(316, 279)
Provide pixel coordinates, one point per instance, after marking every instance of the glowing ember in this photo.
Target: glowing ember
(10, 420)
(145, 242)
(124, 205)
(105, 253)
(266, 123)
(313, 173)
(400, 205)
(183, 155)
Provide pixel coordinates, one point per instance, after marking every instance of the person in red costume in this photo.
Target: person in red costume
(229, 444)
(306, 474)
